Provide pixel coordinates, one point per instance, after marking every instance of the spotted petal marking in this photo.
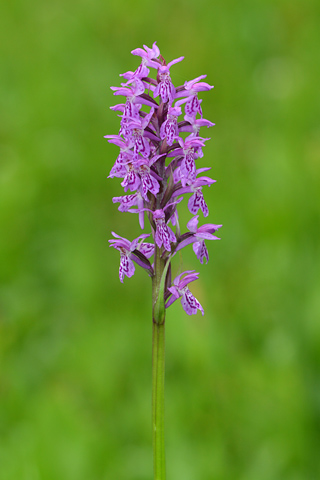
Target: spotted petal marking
(197, 201)
(165, 88)
(131, 181)
(189, 303)
(126, 266)
(169, 129)
(164, 235)
(147, 249)
(201, 251)
(188, 166)
(131, 110)
(149, 183)
(141, 144)
(119, 169)
(126, 201)
(193, 106)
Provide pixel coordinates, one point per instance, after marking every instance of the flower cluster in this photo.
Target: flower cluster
(159, 150)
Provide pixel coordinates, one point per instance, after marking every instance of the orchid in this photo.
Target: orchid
(158, 164)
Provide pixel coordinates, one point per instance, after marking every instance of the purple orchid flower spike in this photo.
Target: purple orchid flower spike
(157, 166)
(126, 249)
(145, 140)
(180, 289)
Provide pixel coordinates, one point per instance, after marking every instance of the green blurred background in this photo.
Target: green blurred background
(242, 382)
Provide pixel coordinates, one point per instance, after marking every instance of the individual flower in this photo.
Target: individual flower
(195, 125)
(165, 88)
(180, 289)
(131, 180)
(126, 249)
(188, 166)
(134, 93)
(139, 140)
(149, 179)
(148, 55)
(196, 201)
(125, 156)
(197, 236)
(141, 72)
(164, 235)
(169, 128)
(192, 87)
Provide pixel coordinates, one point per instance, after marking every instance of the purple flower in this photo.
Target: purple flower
(196, 200)
(195, 124)
(131, 180)
(190, 90)
(164, 235)
(126, 249)
(148, 180)
(199, 236)
(179, 289)
(130, 92)
(134, 93)
(128, 201)
(165, 87)
(125, 157)
(137, 128)
(157, 165)
(169, 128)
(193, 87)
(148, 54)
(188, 166)
(119, 168)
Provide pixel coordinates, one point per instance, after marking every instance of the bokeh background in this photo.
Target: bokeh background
(242, 382)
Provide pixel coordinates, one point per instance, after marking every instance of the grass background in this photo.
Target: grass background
(242, 382)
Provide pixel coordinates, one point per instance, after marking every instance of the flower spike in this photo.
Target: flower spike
(161, 145)
(157, 165)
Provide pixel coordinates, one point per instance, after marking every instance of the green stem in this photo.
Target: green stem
(158, 368)
(158, 364)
